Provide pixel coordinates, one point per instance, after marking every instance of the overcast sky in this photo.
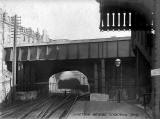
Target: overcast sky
(63, 19)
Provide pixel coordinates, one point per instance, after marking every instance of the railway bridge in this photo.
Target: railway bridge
(96, 58)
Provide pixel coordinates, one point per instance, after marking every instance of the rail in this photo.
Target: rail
(36, 106)
(16, 108)
(69, 109)
(59, 106)
(51, 106)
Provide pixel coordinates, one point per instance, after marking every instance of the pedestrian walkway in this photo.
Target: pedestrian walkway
(106, 110)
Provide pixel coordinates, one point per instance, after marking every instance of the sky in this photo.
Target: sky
(62, 19)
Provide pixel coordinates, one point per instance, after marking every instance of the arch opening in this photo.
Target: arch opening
(68, 82)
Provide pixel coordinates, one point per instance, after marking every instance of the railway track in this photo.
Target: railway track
(17, 110)
(61, 109)
(40, 110)
(56, 107)
(31, 112)
(46, 107)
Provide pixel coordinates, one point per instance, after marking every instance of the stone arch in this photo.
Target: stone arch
(55, 78)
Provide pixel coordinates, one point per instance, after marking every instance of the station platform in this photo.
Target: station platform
(106, 110)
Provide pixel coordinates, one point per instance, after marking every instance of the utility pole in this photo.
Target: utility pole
(16, 22)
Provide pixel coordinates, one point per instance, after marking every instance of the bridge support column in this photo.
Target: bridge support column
(95, 78)
(156, 62)
(137, 74)
(103, 75)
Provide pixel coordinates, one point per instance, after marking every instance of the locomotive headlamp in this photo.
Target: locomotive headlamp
(118, 62)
